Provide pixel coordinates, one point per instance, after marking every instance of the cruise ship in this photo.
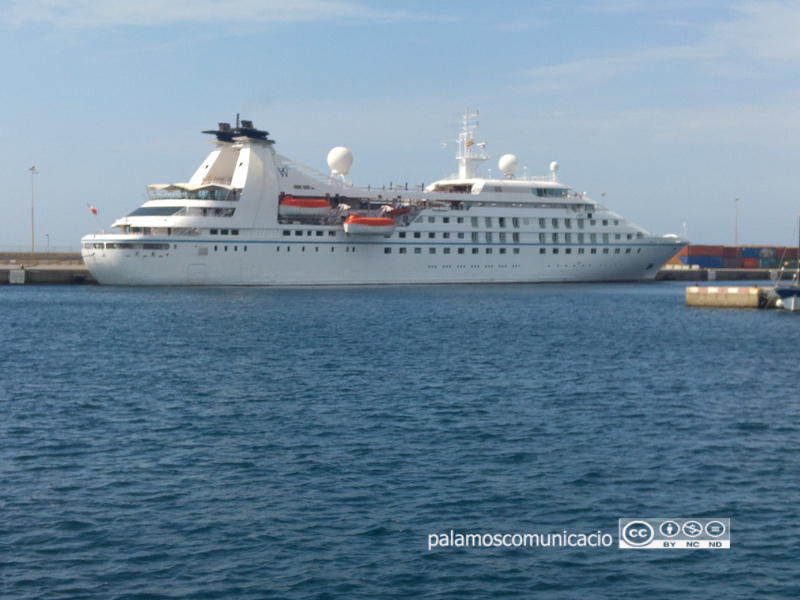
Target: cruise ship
(250, 216)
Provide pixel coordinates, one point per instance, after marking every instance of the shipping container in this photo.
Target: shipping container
(706, 262)
(730, 252)
(708, 251)
(766, 263)
(790, 264)
(786, 253)
(757, 252)
(684, 251)
(731, 263)
(749, 263)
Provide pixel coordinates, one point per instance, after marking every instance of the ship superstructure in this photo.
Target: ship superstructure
(250, 216)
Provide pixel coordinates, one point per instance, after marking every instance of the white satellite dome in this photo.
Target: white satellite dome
(340, 159)
(553, 169)
(509, 165)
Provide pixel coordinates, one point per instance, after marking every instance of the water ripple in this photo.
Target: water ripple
(219, 443)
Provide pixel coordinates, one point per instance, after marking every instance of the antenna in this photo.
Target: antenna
(466, 155)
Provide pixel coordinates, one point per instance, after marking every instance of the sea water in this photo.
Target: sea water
(308, 443)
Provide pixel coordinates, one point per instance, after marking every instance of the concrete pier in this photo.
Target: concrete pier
(43, 269)
(730, 297)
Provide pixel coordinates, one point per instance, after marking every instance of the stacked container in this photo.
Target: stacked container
(760, 257)
(734, 257)
(731, 258)
(706, 257)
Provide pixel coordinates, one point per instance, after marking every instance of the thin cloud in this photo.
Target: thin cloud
(761, 35)
(773, 125)
(641, 6)
(521, 25)
(575, 75)
(91, 13)
(763, 30)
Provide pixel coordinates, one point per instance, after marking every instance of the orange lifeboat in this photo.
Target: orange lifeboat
(303, 207)
(402, 209)
(355, 225)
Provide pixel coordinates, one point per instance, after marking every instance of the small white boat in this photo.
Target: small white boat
(790, 292)
(790, 297)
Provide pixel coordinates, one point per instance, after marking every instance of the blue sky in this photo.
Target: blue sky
(665, 111)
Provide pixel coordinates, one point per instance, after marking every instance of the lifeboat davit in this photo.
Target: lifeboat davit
(355, 225)
(303, 207)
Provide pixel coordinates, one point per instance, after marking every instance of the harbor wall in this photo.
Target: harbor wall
(43, 269)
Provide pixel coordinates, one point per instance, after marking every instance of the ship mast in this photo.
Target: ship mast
(467, 156)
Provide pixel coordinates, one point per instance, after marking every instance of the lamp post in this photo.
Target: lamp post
(33, 172)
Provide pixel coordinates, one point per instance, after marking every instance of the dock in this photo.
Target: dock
(43, 269)
(730, 297)
(695, 273)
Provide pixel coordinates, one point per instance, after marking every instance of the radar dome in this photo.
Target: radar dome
(508, 165)
(554, 166)
(340, 159)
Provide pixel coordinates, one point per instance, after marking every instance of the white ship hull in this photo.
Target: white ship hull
(356, 262)
(225, 227)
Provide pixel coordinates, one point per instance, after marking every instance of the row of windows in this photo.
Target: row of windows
(448, 250)
(475, 237)
(318, 233)
(388, 250)
(125, 246)
(581, 238)
(591, 251)
(502, 222)
(502, 237)
(224, 231)
(461, 250)
(316, 249)
(202, 194)
(224, 249)
(183, 211)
